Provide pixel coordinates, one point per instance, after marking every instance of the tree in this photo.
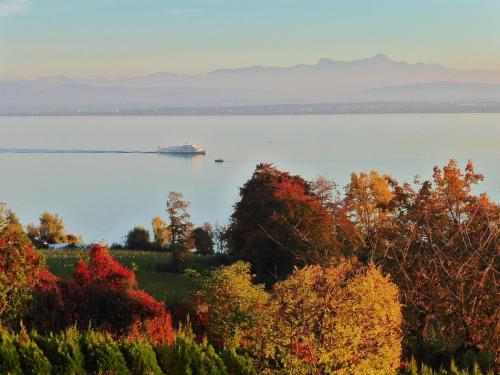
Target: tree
(74, 239)
(138, 238)
(331, 320)
(221, 238)
(367, 205)
(180, 226)
(33, 233)
(3, 219)
(204, 239)
(161, 232)
(52, 228)
(279, 223)
(13, 222)
(20, 269)
(9, 220)
(445, 259)
(229, 304)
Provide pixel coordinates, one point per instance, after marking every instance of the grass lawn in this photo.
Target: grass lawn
(166, 286)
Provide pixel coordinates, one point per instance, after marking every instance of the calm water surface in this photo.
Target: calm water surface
(102, 196)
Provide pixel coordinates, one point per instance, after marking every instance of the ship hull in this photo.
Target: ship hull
(201, 152)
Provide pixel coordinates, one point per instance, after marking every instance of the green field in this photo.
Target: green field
(149, 269)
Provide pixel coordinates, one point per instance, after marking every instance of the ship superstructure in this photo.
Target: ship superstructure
(188, 149)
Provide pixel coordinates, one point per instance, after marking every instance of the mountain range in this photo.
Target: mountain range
(377, 79)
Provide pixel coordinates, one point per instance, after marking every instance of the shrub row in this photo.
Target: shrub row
(413, 369)
(93, 352)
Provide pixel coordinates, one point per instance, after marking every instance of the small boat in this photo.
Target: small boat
(187, 149)
(219, 160)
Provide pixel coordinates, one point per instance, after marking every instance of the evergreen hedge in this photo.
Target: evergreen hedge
(78, 353)
(87, 353)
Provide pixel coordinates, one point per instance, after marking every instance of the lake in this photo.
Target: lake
(103, 195)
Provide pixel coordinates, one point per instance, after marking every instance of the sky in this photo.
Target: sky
(124, 38)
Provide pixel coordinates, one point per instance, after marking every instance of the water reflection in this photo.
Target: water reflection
(195, 160)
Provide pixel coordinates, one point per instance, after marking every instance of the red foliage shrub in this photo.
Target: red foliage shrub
(48, 314)
(103, 269)
(101, 294)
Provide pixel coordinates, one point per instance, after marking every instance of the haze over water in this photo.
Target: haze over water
(102, 196)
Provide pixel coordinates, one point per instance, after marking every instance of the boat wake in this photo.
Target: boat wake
(66, 151)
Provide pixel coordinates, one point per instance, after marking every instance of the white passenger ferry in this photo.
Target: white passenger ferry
(187, 149)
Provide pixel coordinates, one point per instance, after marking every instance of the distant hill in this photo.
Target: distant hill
(375, 79)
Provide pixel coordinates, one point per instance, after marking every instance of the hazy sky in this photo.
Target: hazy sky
(110, 38)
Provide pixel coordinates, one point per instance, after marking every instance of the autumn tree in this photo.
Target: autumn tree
(180, 224)
(73, 239)
(229, 305)
(161, 232)
(52, 228)
(20, 268)
(331, 320)
(204, 239)
(445, 259)
(180, 228)
(369, 213)
(278, 223)
(3, 219)
(13, 224)
(33, 234)
(50, 231)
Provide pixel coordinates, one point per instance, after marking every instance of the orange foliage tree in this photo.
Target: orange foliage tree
(445, 258)
(440, 242)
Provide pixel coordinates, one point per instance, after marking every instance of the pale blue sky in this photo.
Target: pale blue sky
(110, 38)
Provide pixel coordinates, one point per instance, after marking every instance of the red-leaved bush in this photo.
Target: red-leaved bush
(102, 294)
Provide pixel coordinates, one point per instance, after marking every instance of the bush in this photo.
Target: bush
(63, 352)
(33, 359)
(158, 330)
(185, 356)
(413, 369)
(102, 294)
(332, 320)
(102, 354)
(141, 357)
(93, 352)
(9, 359)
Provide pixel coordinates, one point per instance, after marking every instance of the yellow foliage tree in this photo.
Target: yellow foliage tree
(333, 320)
(229, 304)
(367, 204)
(161, 232)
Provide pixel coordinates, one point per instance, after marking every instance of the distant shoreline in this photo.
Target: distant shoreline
(286, 109)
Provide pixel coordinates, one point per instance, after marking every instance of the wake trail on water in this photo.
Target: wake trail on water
(66, 151)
